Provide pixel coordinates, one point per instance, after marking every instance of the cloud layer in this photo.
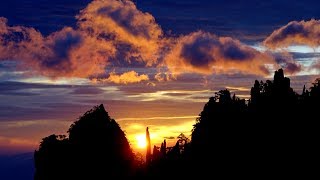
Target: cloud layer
(205, 53)
(107, 30)
(116, 33)
(295, 33)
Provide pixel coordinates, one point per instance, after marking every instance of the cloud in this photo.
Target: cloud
(295, 33)
(315, 65)
(305, 55)
(19, 42)
(170, 95)
(287, 62)
(87, 91)
(125, 78)
(292, 67)
(123, 23)
(108, 31)
(113, 33)
(205, 53)
(65, 53)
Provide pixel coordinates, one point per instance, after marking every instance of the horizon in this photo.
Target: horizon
(149, 68)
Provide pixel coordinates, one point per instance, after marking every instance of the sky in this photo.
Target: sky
(151, 63)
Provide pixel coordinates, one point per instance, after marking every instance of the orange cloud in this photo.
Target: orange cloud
(19, 42)
(205, 53)
(108, 31)
(65, 53)
(125, 78)
(113, 32)
(295, 33)
(75, 54)
(122, 22)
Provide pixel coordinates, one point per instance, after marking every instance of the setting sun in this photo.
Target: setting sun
(141, 141)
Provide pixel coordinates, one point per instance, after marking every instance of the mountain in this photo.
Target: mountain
(96, 148)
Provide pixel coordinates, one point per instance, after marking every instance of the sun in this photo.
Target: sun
(141, 141)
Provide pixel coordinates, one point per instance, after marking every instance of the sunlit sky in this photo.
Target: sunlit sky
(152, 63)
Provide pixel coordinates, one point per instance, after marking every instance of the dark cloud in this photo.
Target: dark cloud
(206, 53)
(87, 91)
(10, 93)
(125, 19)
(299, 56)
(13, 86)
(286, 61)
(197, 53)
(53, 111)
(28, 101)
(233, 51)
(15, 112)
(292, 67)
(295, 33)
(61, 46)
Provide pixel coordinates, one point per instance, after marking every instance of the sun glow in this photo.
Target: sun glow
(141, 141)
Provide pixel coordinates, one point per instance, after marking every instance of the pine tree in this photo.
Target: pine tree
(148, 154)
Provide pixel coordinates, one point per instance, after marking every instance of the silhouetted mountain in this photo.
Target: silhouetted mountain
(17, 167)
(97, 148)
(270, 134)
(273, 134)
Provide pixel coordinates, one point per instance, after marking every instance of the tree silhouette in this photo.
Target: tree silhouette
(148, 153)
(97, 148)
(271, 134)
(52, 159)
(274, 133)
(315, 90)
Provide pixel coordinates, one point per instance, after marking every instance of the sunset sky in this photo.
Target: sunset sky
(151, 63)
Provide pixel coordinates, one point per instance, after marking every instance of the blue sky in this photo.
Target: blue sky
(255, 19)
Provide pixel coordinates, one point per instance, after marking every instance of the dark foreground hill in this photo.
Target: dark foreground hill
(96, 148)
(274, 134)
